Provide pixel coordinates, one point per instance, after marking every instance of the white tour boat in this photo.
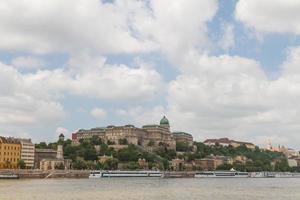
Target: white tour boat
(108, 174)
(221, 174)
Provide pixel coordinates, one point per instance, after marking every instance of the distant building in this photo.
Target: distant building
(183, 137)
(227, 142)
(27, 152)
(205, 164)
(132, 134)
(148, 135)
(177, 164)
(10, 153)
(292, 162)
(61, 137)
(288, 152)
(212, 162)
(240, 159)
(86, 134)
(143, 164)
(55, 163)
(41, 154)
(104, 158)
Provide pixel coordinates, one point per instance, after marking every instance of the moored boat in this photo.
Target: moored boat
(221, 174)
(9, 176)
(108, 174)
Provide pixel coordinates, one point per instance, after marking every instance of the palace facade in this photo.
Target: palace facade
(148, 136)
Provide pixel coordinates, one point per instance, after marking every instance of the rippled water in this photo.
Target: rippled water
(150, 188)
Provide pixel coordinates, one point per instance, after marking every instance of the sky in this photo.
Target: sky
(227, 68)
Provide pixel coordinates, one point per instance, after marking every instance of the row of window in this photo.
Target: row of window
(10, 148)
(9, 166)
(9, 159)
(10, 153)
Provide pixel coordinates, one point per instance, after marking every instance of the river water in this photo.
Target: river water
(151, 188)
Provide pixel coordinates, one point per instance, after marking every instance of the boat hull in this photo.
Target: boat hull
(120, 174)
(222, 174)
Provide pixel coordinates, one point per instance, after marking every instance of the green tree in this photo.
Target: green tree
(123, 141)
(225, 167)
(182, 146)
(79, 164)
(41, 145)
(151, 143)
(95, 140)
(21, 164)
(110, 164)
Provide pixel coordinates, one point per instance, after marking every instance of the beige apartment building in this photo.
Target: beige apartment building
(27, 152)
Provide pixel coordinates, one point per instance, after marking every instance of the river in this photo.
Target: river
(151, 188)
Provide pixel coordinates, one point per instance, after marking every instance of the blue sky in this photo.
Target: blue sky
(215, 68)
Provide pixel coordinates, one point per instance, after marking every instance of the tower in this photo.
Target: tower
(60, 152)
(61, 137)
(164, 122)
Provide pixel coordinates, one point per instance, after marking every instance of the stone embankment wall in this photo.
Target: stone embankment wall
(48, 174)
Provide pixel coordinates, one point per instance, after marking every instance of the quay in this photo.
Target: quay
(40, 174)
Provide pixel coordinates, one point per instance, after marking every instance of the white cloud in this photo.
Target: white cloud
(231, 96)
(98, 113)
(69, 26)
(96, 79)
(279, 16)
(22, 107)
(177, 26)
(27, 62)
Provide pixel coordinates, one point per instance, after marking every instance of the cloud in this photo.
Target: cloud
(27, 62)
(279, 16)
(98, 113)
(69, 26)
(22, 107)
(177, 26)
(231, 96)
(92, 77)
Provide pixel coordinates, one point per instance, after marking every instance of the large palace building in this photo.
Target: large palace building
(147, 136)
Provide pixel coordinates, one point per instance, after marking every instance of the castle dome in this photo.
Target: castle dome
(164, 121)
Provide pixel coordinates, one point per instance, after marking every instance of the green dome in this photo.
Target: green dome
(164, 121)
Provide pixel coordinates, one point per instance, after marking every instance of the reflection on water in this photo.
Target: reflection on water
(150, 188)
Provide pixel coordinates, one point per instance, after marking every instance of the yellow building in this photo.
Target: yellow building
(10, 153)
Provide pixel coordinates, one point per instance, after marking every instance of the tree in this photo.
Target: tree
(151, 143)
(225, 167)
(133, 165)
(79, 164)
(128, 154)
(182, 146)
(41, 145)
(123, 141)
(111, 142)
(95, 140)
(90, 153)
(110, 164)
(21, 164)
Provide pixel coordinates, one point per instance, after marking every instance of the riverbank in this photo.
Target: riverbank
(40, 174)
(82, 174)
